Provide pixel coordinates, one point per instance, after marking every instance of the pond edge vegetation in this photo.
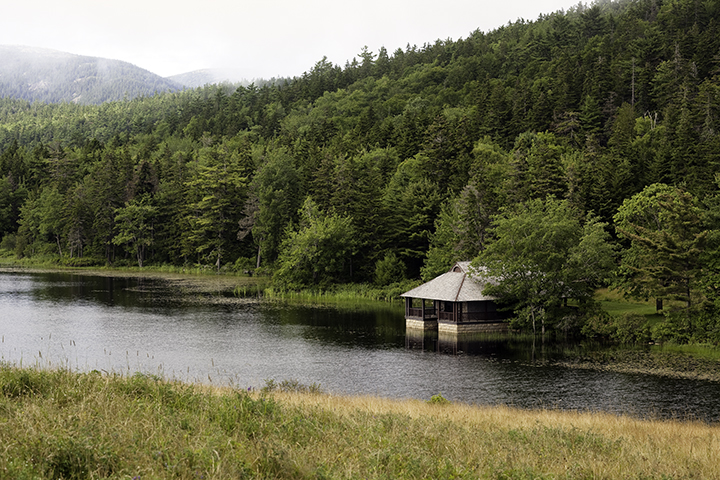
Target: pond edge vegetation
(63, 424)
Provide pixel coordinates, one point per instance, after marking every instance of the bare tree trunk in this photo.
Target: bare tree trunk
(532, 314)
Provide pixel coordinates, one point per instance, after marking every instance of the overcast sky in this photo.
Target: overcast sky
(262, 38)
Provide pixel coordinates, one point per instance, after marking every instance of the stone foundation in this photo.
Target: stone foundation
(420, 324)
(455, 328)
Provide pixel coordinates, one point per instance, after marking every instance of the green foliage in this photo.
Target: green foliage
(627, 328)
(389, 270)
(319, 252)
(417, 148)
(542, 254)
(135, 224)
(8, 242)
(460, 233)
(665, 228)
(216, 195)
(273, 202)
(411, 204)
(438, 400)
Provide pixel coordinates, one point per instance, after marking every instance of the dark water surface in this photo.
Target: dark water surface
(126, 325)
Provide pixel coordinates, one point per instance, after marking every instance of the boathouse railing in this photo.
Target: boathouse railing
(418, 312)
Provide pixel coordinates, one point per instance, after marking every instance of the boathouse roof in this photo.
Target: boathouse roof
(457, 285)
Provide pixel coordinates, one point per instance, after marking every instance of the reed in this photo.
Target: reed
(64, 424)
(345, 293)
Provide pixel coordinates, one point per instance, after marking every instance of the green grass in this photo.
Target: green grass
(614, 303)
(66, 425)
(247, 286)
(346, 293)
(709, 352)
(94, 264)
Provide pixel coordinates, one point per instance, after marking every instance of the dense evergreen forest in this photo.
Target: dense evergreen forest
(396, 165)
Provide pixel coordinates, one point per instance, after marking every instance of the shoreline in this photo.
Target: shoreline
(218, 289)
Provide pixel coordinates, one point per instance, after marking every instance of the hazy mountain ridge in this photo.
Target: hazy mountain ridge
(209, 76)
(51, 76)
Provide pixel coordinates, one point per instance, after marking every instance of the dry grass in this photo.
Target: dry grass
(548, 443)
(60, 424)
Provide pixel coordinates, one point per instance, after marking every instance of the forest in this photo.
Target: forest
(592, 134)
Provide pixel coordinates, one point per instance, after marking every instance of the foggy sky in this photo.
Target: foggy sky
(262, 39)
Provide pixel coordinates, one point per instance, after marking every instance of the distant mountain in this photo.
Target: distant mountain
(50, 76)
(200, 78)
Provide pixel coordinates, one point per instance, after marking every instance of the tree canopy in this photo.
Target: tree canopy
(413, 151)
(542, 254)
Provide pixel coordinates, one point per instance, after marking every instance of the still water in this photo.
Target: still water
(126, 325)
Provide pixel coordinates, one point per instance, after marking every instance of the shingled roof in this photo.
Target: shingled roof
(457, 285)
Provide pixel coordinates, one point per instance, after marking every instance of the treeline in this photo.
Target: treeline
(392, 166)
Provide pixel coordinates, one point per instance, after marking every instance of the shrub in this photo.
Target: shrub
(8, 242)
(389, 270)
(438, 400)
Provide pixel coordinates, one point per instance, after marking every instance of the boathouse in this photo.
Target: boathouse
(453, 303)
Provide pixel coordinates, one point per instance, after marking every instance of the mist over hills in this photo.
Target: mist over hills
(209, 76)
(51, 76)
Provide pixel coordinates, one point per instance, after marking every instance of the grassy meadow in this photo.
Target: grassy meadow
(613, 302)
(63, 424)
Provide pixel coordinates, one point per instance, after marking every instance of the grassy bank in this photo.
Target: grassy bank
(191, 285)
(208, 281)
(61, 424)
(347, 293)
(615, 303)
(52, 264)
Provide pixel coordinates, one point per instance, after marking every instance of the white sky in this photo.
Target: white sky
(262, 38)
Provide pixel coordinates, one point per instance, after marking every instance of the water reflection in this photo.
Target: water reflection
(128, 324)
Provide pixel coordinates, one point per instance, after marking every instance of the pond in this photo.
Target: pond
(128, 325)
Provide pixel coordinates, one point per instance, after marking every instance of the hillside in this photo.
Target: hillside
(400, 160)
(208, 76)
(51, 76)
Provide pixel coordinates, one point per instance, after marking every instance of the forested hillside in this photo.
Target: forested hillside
(42, 75)
(397, 163)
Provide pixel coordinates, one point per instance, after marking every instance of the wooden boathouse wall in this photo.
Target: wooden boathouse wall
(453, 302)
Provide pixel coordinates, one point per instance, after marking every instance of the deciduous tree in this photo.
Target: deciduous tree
(318, 252)
(542, 254)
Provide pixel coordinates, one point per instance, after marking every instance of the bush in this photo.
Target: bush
(244, 265)
(389, 270)
(624, 328)
(8, 242)
(689, 326)
(83, 261)
(438, 400)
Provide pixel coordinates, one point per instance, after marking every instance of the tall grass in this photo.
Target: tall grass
(99, 264)
(346, 293)
(62, 424)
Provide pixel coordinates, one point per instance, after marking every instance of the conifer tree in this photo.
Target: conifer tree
(667, 237)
